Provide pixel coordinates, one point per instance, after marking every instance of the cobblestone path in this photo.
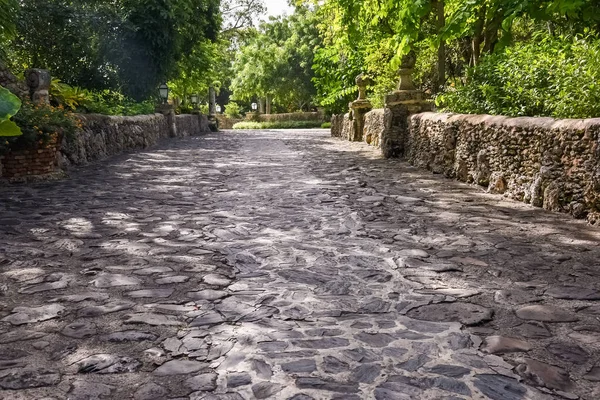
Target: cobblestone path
(289, 266)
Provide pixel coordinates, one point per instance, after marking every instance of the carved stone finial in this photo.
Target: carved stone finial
(406, 69)
(362, 81)
(39, 81)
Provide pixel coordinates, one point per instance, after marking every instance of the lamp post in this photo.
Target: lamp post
(254, 107)
(218, 108)
(163, 91)
(194, 100)
(167, 109)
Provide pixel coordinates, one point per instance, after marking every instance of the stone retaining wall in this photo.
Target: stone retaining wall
(554, 164)
(337, 125)
(376, 123)
(103, 136)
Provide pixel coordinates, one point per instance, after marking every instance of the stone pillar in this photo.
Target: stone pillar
(213, 123)
(359, 108)
(168, 111)
(402, 103)
(38, 81)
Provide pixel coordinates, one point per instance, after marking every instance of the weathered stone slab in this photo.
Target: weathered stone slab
(573, 293)
(541, 374)
(546, 313)
(501, 345)
(26, 378)
(28, 315)
(465, 313)
(179, 367)
(114, 280)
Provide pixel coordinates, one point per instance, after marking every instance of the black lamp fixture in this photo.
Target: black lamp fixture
(218, 109)
(254, 107)
(194, 99)
(163, 91)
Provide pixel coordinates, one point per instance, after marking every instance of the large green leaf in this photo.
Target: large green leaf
(9, 128)
(9, 104)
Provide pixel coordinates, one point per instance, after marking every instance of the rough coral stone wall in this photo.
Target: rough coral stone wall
(554, 164)
(103, 136)
(9, 81)
(376, 123)
(337, 121)
(226, 122)
(191, 124)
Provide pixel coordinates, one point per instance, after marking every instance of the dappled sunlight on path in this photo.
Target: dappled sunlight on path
(289, 265)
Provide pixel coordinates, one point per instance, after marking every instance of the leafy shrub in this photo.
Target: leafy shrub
(278, 125)
(107, 102)
(40, 124)
(232, 110)
(550, 76)
(69, 97)
(9, 106)
(203, 108)
(326, 125)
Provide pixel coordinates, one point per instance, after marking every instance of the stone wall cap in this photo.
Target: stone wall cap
(516, 122)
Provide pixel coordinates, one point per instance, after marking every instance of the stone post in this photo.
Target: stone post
(402, 103)
(213, 123)
(168, 111)
(261, 106)
(38, 81)
(359, 108)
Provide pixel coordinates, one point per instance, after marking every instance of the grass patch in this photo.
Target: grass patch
(278, 125)
(326, 125)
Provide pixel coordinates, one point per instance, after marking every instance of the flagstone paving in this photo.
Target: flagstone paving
(289, 265)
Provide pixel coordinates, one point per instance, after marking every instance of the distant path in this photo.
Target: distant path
(289, 265)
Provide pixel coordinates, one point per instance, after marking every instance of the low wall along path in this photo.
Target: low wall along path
(554, 164)
(102, 136)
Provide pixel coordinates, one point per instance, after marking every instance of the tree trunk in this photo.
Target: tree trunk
(212, 100)
(491, 33)
(268, 105)
(478, 35)
(441, 22)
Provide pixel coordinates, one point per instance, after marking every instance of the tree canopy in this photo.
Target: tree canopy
(276, 60)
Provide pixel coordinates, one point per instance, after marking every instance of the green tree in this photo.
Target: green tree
(276, 61)
(130, 45)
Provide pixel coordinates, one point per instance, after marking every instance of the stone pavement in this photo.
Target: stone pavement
(289, 265)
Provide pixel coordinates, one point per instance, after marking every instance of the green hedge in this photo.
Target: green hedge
(278, 125)
(550, 76)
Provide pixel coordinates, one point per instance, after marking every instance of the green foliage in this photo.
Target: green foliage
(9, 106)
(326, 125)
(106, 102)
(130, 45)
(550, 76)
(278, 125)
(232, 110)
(68, 96)
(277, 61)
(40, 124)
(8, 10)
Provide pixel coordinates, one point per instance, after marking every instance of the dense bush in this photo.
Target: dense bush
(41, 124)
(108, 102)
(550, 76)
(232, 110)
(278, 125)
